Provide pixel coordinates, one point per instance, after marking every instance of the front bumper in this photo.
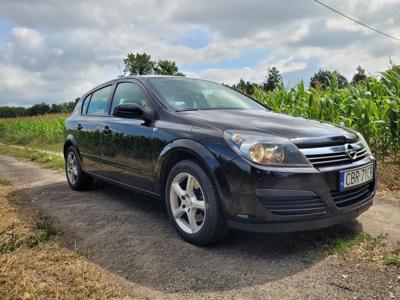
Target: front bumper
(265, 200)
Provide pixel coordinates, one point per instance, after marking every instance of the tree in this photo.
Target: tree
(38, 109)
(167, 67)
(359, 76)
(274, 79)
(141, 64)
(138, 64)
(245, 87)
(323, 79)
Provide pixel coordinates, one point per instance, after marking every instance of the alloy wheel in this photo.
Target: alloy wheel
(72, 168)
(187, 201)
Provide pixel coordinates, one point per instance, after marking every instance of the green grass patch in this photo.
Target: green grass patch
(344, 243)
(308, 259)
(44, 230)
(46, 160)
(5, 182)
(393, 259)
(47, 229)
(10, 244)
(336, 240)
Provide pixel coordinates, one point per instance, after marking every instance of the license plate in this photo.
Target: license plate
(354, 177)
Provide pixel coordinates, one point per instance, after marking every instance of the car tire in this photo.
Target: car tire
(199, 207)
(77, 179)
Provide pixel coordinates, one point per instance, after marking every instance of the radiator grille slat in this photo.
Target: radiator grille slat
(353, 196)
(297, 207)
(328, 156)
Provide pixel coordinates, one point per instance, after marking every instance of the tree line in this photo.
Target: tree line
(37, 109)
(320, 80)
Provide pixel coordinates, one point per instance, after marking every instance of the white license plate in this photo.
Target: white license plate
(354, 177)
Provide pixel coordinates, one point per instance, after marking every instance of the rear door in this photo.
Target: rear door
(89, 131)
(127, 143)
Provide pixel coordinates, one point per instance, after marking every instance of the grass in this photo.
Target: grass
(349, 246)
(336, 240)
(308, 259)
(44, 159)
(44, 230)
(4, 182)
(34, 265)
(343, 244)
(10, 244)
(393, 259)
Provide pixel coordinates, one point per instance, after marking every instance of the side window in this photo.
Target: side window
(85, 104)
(98, 102)
(127, 92)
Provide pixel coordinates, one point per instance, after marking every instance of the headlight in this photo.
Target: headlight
(364, 142)
(265, 149)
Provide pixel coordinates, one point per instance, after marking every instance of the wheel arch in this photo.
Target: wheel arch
(177, 151)
(70, 141)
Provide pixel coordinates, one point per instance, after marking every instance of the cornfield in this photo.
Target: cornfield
(46, 129)
(371, 107)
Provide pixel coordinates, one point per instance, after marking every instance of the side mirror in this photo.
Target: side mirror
(133, 111)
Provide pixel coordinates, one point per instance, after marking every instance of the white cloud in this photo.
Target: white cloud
(58, 49)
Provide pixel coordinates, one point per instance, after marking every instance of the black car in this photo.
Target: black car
(218, 158)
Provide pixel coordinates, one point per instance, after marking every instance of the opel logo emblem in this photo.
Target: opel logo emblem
(350, 151)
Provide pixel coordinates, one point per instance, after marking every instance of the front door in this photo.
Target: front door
(127, 143)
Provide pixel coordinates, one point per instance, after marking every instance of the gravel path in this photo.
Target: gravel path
(130, 236)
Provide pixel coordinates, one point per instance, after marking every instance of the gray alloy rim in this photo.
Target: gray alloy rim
(187, 202)
(72, 168)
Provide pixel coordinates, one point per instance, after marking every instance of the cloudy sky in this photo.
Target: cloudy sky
(56, 50)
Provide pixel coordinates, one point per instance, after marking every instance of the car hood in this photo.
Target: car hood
(299, 130)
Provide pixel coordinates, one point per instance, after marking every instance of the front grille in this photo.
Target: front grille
(295, 207)
(328, 156)
(353, 196)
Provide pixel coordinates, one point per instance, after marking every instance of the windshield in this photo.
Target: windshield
(192, 94)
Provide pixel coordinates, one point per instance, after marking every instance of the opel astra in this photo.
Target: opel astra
(217, 158)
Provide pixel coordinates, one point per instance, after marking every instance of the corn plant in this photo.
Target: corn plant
(46, 129)
(371, 107)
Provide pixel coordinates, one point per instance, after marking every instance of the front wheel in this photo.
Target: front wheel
(193, 204)
(77, 179)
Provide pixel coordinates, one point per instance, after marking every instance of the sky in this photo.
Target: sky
(54, 51)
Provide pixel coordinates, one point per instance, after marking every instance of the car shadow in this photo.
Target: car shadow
(130, 235)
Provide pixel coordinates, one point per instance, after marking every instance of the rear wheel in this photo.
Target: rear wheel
(193, 204)
(77, 179)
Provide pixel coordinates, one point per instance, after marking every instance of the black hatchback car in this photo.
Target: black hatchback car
(218, 158)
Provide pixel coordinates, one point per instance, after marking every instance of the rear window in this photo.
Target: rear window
(98, 102)
(85, 104)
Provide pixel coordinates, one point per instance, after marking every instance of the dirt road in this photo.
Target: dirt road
(130, 236)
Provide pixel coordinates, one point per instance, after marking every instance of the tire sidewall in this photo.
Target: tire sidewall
(77, 184)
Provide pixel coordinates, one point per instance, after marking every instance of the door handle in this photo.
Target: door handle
(79, 127)
(106, 130)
